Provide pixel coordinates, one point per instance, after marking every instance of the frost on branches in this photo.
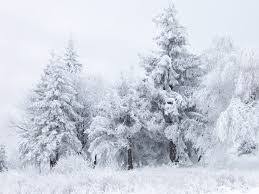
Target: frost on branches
(50, 131)
(237, 127)
(229, 97)
(172, 75)
(217, 87)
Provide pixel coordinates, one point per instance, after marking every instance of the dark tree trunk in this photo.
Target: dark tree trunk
(130, 160)
(95, 161)
(53, 161)
(199, 159)
(173, 152)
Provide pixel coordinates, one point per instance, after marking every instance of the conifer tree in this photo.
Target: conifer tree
(172, 75)
(75, 68)
(50, 131)
(71, 58)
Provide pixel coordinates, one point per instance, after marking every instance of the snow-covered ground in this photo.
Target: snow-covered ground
(149, 180)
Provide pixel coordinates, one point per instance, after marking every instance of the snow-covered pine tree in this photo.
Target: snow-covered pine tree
(3, 163)
(75, 68)
(172, 73)
(50, 132)
(71, 58)
(112, 130)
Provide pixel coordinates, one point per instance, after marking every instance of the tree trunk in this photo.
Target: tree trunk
(199, 159)
(173, 152)
(95, 161)
(53, 161)
(130, 160)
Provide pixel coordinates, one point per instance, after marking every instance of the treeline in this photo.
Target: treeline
(186, 109)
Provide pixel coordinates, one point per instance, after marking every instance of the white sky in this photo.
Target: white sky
(108, 34)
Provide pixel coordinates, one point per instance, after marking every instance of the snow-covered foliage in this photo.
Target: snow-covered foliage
(115, 125)
(229, 96)
(50, 131)
(247, 83)
(237, 127)
(172, 75)
(3, 161)
(90, 92)
(74, 70)
(70, 58)
(218, 85)
(72, 164)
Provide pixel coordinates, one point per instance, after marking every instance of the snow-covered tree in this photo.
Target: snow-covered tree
(229, 97)
(50, 130)
(247, 83)
(75, 68)
(220, 67)
(220, 64)
(172, 75)
(71, 58)
(90, 91)
(116, 123)
(3, 163)
(237, 127)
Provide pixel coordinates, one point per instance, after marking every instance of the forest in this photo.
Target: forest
(183, 114)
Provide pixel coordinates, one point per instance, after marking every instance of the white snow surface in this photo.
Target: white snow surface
(68, 179)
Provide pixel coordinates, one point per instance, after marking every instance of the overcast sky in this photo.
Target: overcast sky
(109, 34)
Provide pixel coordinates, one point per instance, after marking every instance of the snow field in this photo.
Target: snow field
(149, 180)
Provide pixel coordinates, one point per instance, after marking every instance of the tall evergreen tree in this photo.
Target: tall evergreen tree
(51, 126)
(172, 74)
(71, 58)
(75, 68)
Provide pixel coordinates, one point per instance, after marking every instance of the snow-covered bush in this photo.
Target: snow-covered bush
(72, 164)
(247, 147)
